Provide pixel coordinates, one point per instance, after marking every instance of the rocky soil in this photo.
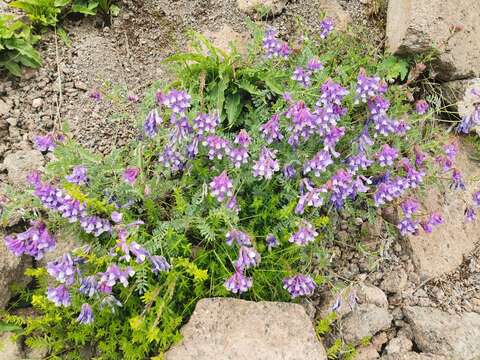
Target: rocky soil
(417, 298)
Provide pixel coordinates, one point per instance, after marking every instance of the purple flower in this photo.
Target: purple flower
(314, 65)
(86, 314)
(44, 143)
(242, 138)
(59, 295)
(95, 225)
(457, 181)
(192, 147)
(274, 47)
(177, 101)
(364, 140)
(386, 192)
(62, 269)
(409, 207)
(419, 156)
(470, 214)
(407, 226)
(401, 127)
(221, 187)
(326, 27)
(433, 220)
(50, 197)
(476, 198)
(238, 283)
(271, 129)
(289, 171)
(319, 163)
(306, 233)
(151, 124)
(421, 107)
(238, 156)
(451, 150)
(217, 146)
(239, 237)
(470, 121)
(133, 98)
(130, 175)
(287, 97)
(271, 241)
(332, 93)
(34, 178)
(359, 161)
(302, 77)
(171, 159)
(206, 123)
(112, 275)
(378, 106)
(110, 301)
(159, 264)
(384, 126)
(36, 241)
(139, 252)
(311, 197)
(78, 176)
(299, 285)
(181, 128)
(302, 122)
(332, 137)
(88, 286)
(116, 217)
(72, 209)
(386, 155)
(368, 87)
(95, 95)
(233, 205)
(247, 257)
(341, 186)
(266, 165)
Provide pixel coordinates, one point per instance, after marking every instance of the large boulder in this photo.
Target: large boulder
(11, 271)
(365, 320)
(225, 36)
(243, 330)
(20, 163)
(450, 27)
(455, 336)
(443, 250)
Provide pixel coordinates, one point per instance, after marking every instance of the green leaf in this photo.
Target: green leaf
(114, 10)
(62, 34)
(13, 68)
(89, 8)
(233, 108)
(5, 327)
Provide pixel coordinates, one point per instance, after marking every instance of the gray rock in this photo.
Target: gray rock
(36, 103)
(4, 107)
(455, 336)
(20, 163)
(394, 281)
(9, 348)
(400, 344)
(242, 330)
(369, 294)
(413, 356)
(11, 271)
(450, 27)
(365, 320)
(225, 36)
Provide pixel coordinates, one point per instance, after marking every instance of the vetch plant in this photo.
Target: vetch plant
(234, 184)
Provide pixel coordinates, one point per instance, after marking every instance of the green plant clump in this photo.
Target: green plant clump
(244, 167)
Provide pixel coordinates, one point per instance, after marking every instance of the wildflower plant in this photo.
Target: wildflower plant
(235, 181)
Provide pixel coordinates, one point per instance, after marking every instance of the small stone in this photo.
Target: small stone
(273, 7)
(36, 103)
(368, 294)
(365, 320)
(399, 344)
(10, 349)
(20, 163)
(4, 107)
(80, 85)
(395, 281)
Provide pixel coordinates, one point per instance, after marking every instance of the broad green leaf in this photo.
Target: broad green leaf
(233, 108)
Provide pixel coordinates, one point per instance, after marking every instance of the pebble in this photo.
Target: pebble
(36, 103)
